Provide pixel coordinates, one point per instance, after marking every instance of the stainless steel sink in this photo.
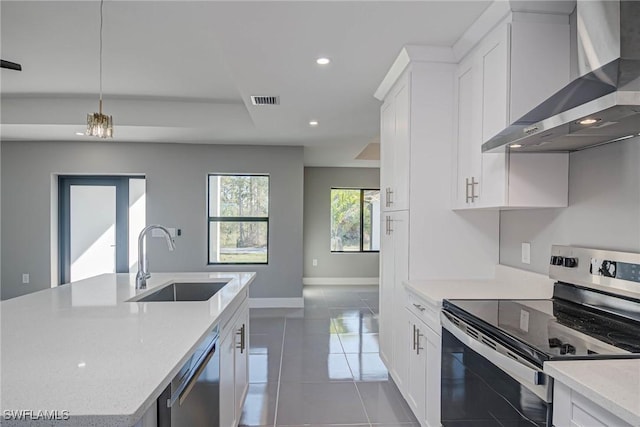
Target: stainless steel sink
(196, 291)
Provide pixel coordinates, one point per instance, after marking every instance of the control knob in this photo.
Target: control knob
(556, 260)
(570, 262)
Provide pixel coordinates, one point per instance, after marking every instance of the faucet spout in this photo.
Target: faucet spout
(143, 267)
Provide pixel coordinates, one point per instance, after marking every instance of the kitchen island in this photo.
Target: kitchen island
(84, 354)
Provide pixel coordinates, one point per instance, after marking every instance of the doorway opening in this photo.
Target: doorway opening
(99, 220)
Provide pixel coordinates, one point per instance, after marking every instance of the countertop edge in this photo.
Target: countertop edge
(573, 382)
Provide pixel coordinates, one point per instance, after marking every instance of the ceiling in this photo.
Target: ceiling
(183, 71)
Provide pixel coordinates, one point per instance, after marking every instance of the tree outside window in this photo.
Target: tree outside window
(355, 215)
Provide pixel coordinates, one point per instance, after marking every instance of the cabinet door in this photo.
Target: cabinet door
(494, 68)
(433, 349)
(494, 57)
(399, 230)
(401, 153)
(417, 350)
(468, 151)
(241, 358)
(387, 277)
(387, 162)
(227, 381)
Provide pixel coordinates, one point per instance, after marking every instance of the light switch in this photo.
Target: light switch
(315, 262)
(25, 278)
(526, 253)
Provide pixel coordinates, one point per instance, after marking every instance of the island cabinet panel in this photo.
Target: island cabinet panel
(234, 365)
(228, 416)
(241, 358)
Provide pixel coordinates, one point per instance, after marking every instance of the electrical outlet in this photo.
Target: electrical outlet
(526, 253)
(315, 262)
(25, 278)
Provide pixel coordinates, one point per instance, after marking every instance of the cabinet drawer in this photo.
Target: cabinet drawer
(426, 312)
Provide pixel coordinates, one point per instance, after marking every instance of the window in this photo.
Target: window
(355, 215)
(238, 209)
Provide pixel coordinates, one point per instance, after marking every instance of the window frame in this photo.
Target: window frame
(211, 219)
(362, 191)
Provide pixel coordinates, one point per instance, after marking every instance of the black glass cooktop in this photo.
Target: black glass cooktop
(553, 328)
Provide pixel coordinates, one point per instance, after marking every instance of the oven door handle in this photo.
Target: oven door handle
(512, 367)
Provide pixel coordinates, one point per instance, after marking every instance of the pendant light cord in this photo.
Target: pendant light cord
(101, 5)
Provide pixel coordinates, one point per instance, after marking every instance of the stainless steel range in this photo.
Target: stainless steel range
(494, 350)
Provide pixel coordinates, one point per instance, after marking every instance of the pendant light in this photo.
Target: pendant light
(99, 124)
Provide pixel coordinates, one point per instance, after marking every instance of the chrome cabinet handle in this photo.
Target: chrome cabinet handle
(419, 307)
(389, 197)
(418, 335)
(414, 337)
(473, 189)
(388, 221)
(466, 187)
(241, 344)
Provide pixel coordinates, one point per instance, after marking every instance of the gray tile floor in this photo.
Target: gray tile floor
(320, 365)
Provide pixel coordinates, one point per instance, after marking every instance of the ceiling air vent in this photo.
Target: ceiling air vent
(265, 100)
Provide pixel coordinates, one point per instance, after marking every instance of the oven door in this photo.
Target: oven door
(485, 384)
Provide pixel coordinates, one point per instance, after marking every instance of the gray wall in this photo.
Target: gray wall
(317, 223)
(603, 212)
(176, 196)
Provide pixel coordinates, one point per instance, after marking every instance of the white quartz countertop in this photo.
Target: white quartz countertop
(84, 349)
(509, 283)
(612, 384)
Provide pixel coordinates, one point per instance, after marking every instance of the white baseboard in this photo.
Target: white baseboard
(276, 302)
(337, 281)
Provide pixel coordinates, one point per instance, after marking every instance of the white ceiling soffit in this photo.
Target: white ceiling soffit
(184, 71)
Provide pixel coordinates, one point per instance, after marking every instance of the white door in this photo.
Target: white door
(99, 220)
(92, 230)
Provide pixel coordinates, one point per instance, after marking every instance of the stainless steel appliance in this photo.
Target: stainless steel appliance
(493, 351)
(193, 397)
(602, 105)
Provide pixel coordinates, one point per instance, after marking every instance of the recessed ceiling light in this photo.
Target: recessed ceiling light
(313, 123)
(80, 133)
(515, 146)
(82, 365)
(588, 121)
(323, 61)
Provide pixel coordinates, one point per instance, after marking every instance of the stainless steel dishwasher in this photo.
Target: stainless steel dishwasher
(193, 397)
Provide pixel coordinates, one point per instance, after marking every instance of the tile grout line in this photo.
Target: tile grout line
(275, 415)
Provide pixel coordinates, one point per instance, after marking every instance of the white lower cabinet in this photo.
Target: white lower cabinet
(422, 390)
(571, 409)
(394, 264)
(234, 357)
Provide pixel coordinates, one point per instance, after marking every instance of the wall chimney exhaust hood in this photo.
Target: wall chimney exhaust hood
(600, 106)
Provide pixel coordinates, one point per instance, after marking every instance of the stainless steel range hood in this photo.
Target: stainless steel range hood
(600, 106)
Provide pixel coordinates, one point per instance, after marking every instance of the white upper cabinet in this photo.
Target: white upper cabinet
(395, 147)
(515, 67)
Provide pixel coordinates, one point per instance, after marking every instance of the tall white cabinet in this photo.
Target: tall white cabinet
(417, 224)
(438, 109)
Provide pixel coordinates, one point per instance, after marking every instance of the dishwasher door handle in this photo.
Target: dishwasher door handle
(185, 388)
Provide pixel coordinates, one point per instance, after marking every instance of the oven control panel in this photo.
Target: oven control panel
(602, 269)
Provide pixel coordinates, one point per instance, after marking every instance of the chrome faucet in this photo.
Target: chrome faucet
(143, 267)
